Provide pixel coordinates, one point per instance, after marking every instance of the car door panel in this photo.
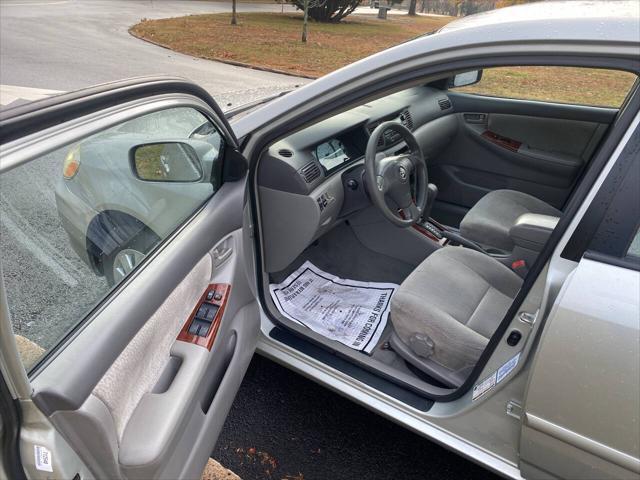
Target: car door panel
(561, 433)
(532, 147)
(130, 392)
(166, 382)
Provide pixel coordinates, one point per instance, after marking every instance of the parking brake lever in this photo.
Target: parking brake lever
(465, 242)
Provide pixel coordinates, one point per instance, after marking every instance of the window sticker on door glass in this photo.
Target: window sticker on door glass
(484, 386)
(507, 368)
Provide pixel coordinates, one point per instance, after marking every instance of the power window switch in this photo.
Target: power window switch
(211, 313)
(194, 329)
(199, 327)
(204, 329)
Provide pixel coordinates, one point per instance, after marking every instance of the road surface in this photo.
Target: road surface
(70, 44)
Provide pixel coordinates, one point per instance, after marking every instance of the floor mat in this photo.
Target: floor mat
(341, 253)
(351, 312)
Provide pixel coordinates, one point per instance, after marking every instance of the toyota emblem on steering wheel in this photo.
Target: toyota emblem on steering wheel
(402, 172)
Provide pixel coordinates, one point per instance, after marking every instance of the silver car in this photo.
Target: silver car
(445, 232)
(110, 183)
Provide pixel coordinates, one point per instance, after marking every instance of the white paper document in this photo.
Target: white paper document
(350, 312)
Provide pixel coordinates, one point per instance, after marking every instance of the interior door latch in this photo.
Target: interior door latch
(475, 117)
(222, 253)
(528, 318)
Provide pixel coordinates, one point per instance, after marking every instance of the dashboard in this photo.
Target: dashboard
(312, 179)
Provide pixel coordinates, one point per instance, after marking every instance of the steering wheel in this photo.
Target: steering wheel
(391, 178)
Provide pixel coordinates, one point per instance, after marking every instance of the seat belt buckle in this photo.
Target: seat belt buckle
(518, 264)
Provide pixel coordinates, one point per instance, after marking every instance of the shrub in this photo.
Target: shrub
(331, 11)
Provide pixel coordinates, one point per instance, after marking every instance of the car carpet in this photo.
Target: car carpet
(340, 253)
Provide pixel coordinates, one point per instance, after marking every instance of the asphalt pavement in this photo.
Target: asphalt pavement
(281, 426)
(284, 426)
(70, 44)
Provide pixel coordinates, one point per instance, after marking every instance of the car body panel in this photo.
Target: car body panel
(584, 390)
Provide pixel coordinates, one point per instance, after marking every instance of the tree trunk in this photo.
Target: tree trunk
(234, 20)
(305, 21)
(412, 7)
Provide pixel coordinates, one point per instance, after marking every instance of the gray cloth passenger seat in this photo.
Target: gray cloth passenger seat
(489, 221)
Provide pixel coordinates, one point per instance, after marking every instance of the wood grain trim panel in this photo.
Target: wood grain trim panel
(219, 296)
(425, 232)
(504, 142)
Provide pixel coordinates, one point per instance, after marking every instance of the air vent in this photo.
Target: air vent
(285, 153)
(310, 172)
(445, 104)
(370, 129)
(406, 120)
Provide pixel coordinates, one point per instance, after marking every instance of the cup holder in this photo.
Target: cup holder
(496, 252)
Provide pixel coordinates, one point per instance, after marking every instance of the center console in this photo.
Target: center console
(529, 234)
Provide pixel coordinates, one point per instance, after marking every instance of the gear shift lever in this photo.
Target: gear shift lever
(432, 193)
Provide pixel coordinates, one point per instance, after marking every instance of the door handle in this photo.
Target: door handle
(475, 117)
(221, 255)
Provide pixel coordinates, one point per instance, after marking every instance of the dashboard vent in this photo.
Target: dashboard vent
(310, 172)
(445, 104)
(285, 153)
(370, 129)
(406, 120)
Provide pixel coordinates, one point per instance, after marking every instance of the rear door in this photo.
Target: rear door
(124, 279)
(581, 411)
(532, 129)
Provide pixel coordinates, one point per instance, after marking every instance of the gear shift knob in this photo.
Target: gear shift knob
(432, 193)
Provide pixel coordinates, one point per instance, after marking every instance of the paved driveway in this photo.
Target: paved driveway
(69, 44)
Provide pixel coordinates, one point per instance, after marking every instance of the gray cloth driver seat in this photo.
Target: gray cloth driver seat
(446, 310)
(489, 221)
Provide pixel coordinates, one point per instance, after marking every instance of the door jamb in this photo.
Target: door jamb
(618, 129)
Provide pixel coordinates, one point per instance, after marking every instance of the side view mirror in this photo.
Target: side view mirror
(166, 162)
(465, 79)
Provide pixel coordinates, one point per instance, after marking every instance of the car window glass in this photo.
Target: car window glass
(634, 248)
(77, 221)
(581, 86)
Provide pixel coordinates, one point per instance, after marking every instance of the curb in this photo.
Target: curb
(222, 60)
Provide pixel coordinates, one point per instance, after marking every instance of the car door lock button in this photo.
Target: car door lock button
(513, 338)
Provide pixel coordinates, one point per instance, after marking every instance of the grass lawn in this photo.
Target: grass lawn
(272, 40)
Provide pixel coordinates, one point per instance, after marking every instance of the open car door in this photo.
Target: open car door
(124, 280)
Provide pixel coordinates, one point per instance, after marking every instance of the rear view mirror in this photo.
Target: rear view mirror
(466, 78)
(166, 162)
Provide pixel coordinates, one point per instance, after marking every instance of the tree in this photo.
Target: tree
(412, 7)
(234, 19)
(331, 11)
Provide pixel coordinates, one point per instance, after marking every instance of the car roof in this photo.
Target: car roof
(593, 20)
